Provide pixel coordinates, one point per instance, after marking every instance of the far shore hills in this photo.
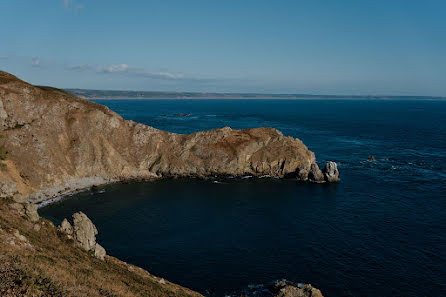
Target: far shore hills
(113, 95)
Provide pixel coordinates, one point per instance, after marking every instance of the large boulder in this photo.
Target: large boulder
(66, 227)
(84, 231)
(331, 172)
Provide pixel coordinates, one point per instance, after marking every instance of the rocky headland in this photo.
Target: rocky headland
(53, 143)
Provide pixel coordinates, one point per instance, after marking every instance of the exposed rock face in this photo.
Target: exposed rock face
(57, 143)
(66, 227)
(84, 232)
(331, 173)
(28, 210)
(7, 188)
(31, 212)
(315, 174)
(99, 252)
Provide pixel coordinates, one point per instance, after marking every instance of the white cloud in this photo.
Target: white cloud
(138, 71)
(128, 70)
(3, 57)
(117, 68)
(67, 3)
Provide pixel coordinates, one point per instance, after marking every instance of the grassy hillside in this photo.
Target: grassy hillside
(36, 259)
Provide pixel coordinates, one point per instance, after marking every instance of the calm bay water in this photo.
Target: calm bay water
(381, 231)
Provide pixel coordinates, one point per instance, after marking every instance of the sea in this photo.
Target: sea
(380, 231)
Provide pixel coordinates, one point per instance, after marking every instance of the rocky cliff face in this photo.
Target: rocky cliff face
(56, 143)
(52, 143)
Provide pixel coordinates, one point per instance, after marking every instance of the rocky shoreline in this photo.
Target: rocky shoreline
(53, 144)
(43, 198)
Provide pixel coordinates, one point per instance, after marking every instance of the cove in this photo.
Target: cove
(379, 232)
(222, 237)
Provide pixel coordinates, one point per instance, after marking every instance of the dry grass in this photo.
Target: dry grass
(47, 263)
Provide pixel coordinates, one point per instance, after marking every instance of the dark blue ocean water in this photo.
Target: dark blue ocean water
(381, 231)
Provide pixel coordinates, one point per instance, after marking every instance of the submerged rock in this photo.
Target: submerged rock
(331, 172)
(288, 289)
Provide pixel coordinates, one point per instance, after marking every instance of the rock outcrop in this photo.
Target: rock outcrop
(315, 174)
(58, 143)
(66, 228)
(27, 210)
(8, 188)
(84, 232)
(288, 289)
(331, 173)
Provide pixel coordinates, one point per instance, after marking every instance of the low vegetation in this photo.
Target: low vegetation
(36, 259)
(3, 153)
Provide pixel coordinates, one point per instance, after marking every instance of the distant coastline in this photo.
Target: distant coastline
(131, 95)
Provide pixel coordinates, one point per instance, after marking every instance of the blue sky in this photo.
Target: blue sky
(321, 47)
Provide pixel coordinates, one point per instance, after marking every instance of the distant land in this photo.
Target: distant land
(110, 94)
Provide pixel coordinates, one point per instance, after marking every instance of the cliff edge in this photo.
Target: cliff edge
(54, 143)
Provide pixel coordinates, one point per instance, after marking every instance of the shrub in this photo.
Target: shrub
(3, 153)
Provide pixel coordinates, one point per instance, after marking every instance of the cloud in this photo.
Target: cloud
(116, 68)
(139, 72)
(3, 57)
(132, 71)
(35, 62)
(67, 3)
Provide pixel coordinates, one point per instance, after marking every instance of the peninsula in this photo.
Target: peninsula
(53, 143)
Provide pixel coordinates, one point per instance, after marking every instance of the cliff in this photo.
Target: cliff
(56, 143)
(52, 143)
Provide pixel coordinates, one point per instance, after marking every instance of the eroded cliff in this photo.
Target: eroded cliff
(56, 143)
(52, 143)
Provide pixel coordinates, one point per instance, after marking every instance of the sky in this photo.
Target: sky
(361, 47)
